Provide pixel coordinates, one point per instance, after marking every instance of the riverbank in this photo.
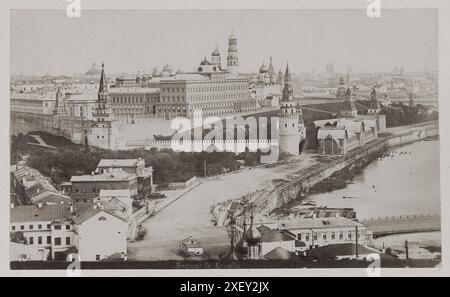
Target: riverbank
(338, 173)
(337, 181)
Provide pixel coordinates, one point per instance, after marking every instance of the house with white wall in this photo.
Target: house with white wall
(99, 234)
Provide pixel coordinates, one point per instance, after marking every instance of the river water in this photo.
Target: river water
(404, 183)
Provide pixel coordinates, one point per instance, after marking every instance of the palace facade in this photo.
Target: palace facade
(96, 114)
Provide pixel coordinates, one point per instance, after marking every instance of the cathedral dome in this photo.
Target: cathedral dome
(205, 62)
(155, 72)
(215, 53)
(263, 68)
(167, 68)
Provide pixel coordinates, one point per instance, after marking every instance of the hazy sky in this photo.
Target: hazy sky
(47, 41)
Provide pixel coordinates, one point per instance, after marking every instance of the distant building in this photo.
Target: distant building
(131, 166)
(374, 106)
(266, 90)
(87, 187)
(342, 90)
(98, 117)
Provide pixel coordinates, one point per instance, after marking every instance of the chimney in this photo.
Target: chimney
(39, 205)
(92, 173)
(12, 205)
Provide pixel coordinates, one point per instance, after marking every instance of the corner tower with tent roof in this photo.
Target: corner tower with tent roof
(292, 128)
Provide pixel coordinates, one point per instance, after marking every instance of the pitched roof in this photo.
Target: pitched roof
(269, 235)
(33, 213)
(119, 162)
(50, 197)
(115, 176)
(87, 213)
(319, 223)
(280, 253)
(337, 250)
(333, 132)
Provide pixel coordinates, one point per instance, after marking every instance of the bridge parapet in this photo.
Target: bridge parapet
(397, 218)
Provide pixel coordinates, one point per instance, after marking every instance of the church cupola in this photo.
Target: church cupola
(215, 57)
(252, 238)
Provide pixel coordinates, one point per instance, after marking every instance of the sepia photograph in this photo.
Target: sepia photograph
(224, 139)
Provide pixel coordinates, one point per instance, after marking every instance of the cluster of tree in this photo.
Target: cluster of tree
(399, 114)
(168, 166)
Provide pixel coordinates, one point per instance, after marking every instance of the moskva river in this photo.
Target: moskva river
(403, 182)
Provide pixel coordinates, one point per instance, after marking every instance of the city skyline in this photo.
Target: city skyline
(325, 36)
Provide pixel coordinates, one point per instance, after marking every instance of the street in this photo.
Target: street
(191, 214)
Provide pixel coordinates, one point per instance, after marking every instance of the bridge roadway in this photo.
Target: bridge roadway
(402, 224)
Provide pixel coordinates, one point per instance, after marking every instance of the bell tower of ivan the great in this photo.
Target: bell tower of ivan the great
(292, 128)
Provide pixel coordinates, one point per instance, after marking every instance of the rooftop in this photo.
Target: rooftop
(119, 163)
(338, 250)
(115, 176)
(280, 253)
(119, 90)
(270, 235)
(34, 213)
(89, 212)
(321, 223)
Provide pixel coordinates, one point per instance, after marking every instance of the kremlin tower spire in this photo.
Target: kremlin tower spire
(59, 104)
(101, 131)
(103, 110)
(288, 92)
(292, 127)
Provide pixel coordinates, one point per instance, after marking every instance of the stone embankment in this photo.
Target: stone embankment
(359, 158)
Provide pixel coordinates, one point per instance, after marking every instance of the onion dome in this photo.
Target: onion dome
(94, 70)
(215, 52)
(252, 236)
(263, 68)
(205, 62)
(155, 72)
(167, 68)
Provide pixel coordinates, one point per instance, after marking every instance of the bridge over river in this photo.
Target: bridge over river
(382, 226)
